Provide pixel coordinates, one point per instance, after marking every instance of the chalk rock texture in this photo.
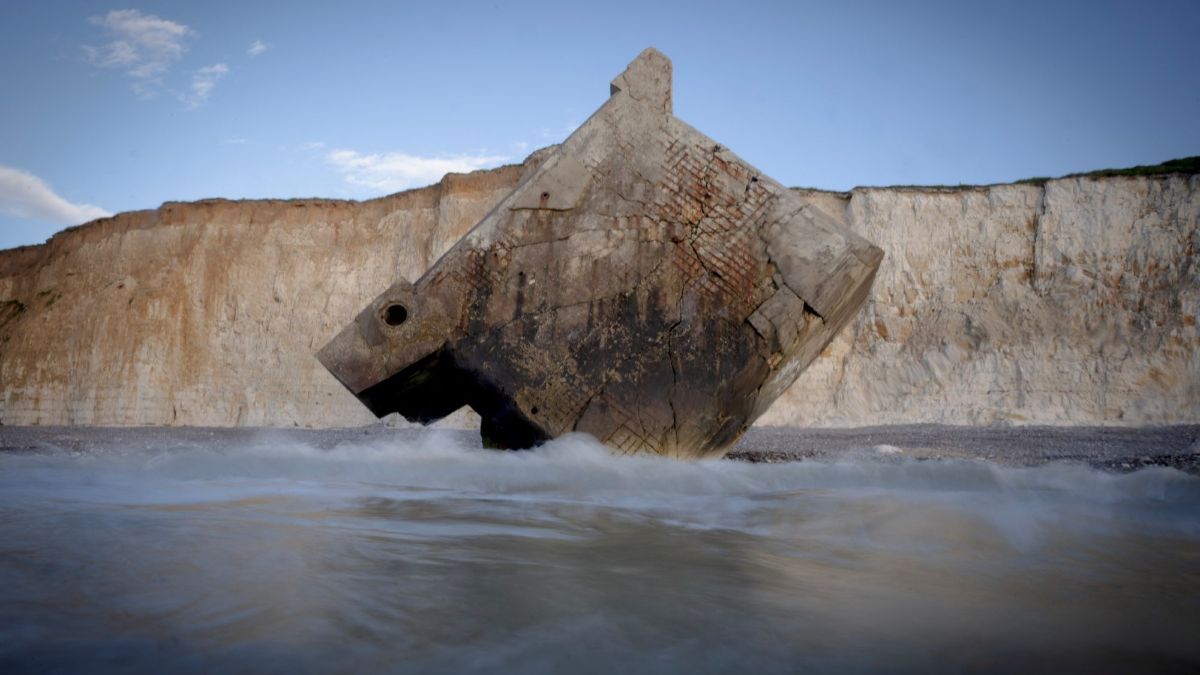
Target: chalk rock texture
(208, 314)
(643, 285)
(1074, 303)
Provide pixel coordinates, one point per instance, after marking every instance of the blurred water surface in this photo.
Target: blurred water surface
(428, 555)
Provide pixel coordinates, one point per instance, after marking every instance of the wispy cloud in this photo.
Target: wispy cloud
(24, 195)
(203, 81)
(257, 47)
(393, 171)
(313, 145)
(144, 46)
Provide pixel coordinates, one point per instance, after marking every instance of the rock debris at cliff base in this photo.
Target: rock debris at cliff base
(1112, 449)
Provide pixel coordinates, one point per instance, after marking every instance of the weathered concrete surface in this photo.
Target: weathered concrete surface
(643, 285)
(1072, 304)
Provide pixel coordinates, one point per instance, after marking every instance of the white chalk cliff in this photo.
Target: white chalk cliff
(1072, 303)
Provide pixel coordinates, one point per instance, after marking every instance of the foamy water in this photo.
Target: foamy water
(425, 555)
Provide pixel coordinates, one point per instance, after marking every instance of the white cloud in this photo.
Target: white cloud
(257, 47)
(312, 145)
(203, 81)
(393, 171)
(142, 45)
(24, 195)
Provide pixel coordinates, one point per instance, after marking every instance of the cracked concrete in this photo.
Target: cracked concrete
(643, 285)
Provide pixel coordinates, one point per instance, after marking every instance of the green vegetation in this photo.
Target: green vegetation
(1185, 165)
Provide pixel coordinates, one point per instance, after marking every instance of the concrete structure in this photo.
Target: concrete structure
(1070, 303)
(643, 284)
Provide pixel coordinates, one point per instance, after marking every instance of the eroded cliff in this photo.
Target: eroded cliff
(1069, 303)
(1072, 303)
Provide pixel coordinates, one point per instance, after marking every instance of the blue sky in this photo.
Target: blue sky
(109, 106)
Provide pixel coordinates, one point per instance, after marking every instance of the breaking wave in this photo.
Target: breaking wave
(426, 553)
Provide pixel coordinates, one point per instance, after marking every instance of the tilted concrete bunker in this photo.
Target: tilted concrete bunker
(643, 285)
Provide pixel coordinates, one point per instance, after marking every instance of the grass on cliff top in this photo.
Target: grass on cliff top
(1187, 165)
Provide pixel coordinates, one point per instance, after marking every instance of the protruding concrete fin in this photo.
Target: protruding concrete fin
(403, 325)
(822, 261)
(647, 79)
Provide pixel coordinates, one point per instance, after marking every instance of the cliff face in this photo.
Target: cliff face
(209, 313)
(1075, 303)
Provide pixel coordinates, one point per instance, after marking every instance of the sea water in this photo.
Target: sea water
(429, 555)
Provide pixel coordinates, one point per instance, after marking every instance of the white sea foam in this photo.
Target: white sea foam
(447, 557)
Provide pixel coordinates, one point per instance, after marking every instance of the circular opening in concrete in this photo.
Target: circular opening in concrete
(395, 315)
